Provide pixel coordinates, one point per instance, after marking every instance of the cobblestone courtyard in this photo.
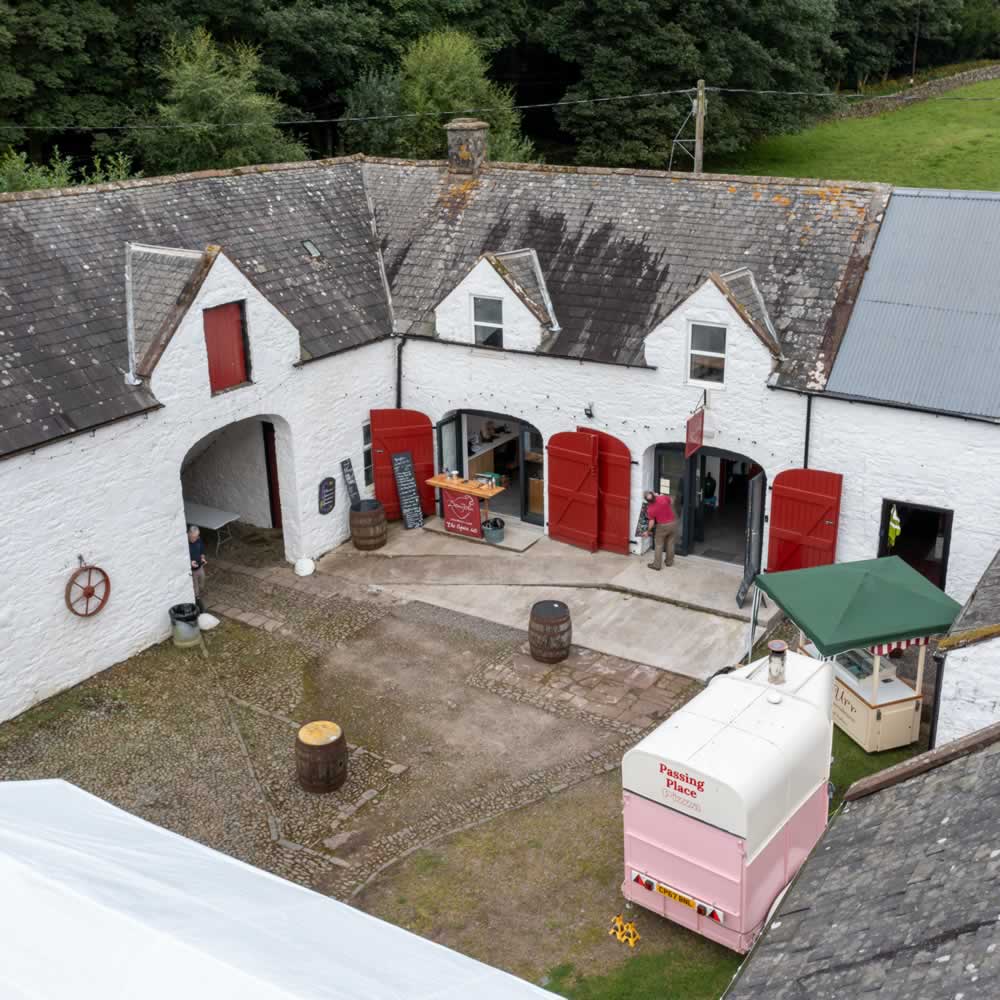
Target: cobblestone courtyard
(450, 723)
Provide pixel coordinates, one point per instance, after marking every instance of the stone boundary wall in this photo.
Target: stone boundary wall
(893, 102)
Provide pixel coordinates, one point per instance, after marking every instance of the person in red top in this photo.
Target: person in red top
(662, 526)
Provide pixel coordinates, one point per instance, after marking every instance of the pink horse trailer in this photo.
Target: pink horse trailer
(725, 800)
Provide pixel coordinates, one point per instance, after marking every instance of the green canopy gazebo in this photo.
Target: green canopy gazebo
(874, 604)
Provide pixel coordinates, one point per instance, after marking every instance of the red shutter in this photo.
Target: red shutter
(614, 490)
(224, 341)
(394, 431)
(805, 515)
(573, 488)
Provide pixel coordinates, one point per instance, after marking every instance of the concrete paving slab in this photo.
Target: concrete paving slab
(691, 643)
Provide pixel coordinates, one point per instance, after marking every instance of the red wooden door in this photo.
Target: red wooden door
(271, 465)
(805, 515)
(394, 431)
(614, 490)
(573, 488)
(225, 343)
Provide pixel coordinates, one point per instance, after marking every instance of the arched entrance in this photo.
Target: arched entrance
(717, 496)
(243, 473)
(478, 442)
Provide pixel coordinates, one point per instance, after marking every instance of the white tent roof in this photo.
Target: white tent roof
(97, 903)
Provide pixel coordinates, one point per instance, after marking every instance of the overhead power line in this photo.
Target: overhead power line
(611, 98)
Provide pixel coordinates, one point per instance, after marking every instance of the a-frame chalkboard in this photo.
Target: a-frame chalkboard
(406, 489)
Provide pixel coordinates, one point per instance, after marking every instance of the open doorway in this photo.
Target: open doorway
(920, 535)
(232, 486)
(711, 495)
(508, 450)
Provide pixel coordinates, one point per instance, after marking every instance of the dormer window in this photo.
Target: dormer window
(487, 320)
(707, 354)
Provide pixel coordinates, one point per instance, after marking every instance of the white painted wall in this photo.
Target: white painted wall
(116, 497)
(453, 317)
(639, 406)
(231, 474)
(970, 691)
(914, 457)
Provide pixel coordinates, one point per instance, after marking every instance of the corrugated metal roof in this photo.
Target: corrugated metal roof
(926, 328)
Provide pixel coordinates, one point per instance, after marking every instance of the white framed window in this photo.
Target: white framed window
(487, 321)
(366, 437)
(707, 354)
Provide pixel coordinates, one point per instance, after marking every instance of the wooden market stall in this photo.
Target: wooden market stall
(466, 503)
(856, 613)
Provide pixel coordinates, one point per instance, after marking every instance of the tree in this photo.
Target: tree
(375, 95)
(651, 45)
(213, 114)
(878, 37)
(444, 72)
(18, 173)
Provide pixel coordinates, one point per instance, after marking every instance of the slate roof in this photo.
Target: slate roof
(900, 897)
(160, 278)
(744, 296)
(982, 609)
(63, 347)
(925, 331)
(621, 248)
(525, 269)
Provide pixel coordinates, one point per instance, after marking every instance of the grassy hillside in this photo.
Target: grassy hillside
(936, 143)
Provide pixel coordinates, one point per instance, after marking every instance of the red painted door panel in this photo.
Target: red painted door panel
(573, 488)
(394, 431)
(805, 516)
(226, 347)
(614, 489)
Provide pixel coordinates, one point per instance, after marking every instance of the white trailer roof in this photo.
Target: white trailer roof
(97, 903)
(743, 755)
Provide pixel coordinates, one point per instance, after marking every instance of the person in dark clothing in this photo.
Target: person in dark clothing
(196, 553)
(662, 526)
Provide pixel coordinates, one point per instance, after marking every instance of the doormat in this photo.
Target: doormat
(721, 555)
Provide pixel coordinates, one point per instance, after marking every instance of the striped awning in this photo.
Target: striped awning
(884, 648)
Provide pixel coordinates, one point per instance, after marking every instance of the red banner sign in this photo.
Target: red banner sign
(461, 514)
(695, 433)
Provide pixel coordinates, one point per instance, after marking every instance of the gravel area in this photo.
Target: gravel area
(449, 726)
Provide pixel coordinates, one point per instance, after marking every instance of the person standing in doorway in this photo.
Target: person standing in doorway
(662, 526)
(196, 553)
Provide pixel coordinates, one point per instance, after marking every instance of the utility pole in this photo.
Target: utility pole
(699, 128)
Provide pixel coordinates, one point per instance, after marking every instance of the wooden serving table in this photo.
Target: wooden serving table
(461, 500)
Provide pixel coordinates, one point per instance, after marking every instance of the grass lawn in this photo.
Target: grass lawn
(935, 143)
(850, 762)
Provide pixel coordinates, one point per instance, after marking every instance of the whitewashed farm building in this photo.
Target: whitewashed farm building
(277, 320)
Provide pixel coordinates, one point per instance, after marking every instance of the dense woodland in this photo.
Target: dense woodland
(202, 83)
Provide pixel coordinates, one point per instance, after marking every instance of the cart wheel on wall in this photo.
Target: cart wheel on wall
(87, 591)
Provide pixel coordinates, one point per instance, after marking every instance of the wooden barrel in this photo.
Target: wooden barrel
(368, 525)
(550, 631)
(321, 757)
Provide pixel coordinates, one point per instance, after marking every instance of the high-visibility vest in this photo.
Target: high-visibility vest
(894, 526)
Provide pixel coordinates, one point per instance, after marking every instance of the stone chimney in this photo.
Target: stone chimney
(466, 145)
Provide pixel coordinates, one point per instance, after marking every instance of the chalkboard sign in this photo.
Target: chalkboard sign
(406, 489)
(642, 525)
(327, 494)
(352, 483)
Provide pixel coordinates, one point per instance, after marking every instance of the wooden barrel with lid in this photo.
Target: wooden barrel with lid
(321, 757)
(368, 526)
(550, 631)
